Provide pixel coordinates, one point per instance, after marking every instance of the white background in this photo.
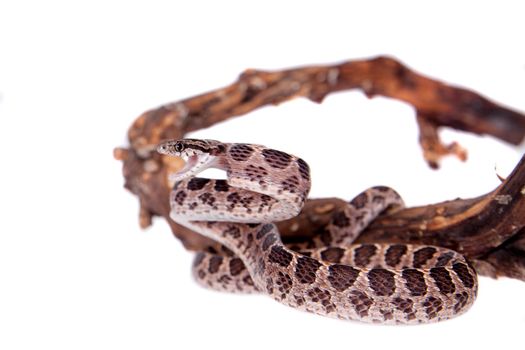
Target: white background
(76, 272)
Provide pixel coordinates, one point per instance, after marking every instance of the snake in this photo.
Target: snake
(330, 276)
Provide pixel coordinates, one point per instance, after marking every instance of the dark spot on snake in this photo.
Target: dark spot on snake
(432, 306)
(180, 197)
(404, 305)
(268, 241)
(284, 284)
(290, 184)
(394, 254)
(326, 237)
(464, 275)
(207, 198)
(340, 219)
(443, 281)
(382, 281)
(414, 281)
(318, 295)
(236, 266)
(461, 300)
(276, 159)
(382, 188)
(378, 199)
(249, 240)
(241, 152)
(234, 198)
(361, 302)
(304, 169)
(232, 231)
(221, 186)
(256, 173)
(278, 255)
(269, 285)
(360, 200)
(422, 255)
(197, 183)
(387, 314)
(363, 254)
(264, 230)
(248, 280)
(306, 269)
(225, 280)
(299, 299)
(215, 263)
(444, 259)
(226, 251)
(332, 254)
(342, 277)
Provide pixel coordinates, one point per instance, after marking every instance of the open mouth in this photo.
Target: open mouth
(194, 164)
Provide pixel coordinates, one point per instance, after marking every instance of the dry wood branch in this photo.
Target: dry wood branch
(485, 229)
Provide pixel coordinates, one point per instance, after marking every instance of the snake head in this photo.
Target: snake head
(198, 155)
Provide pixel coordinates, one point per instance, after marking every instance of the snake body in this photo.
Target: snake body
(382, 283)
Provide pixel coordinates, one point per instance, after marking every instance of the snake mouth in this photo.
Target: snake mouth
(194, 165)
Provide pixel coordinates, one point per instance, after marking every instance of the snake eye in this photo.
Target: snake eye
(179, 147)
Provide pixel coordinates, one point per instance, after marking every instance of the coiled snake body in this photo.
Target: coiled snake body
(386, 283)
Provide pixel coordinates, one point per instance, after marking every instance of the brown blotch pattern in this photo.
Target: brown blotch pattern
(361, 302)
(464, 275)
(276, 159)
(422, 255)
(241, 152)
(268, 241)
(387, 314)
(299, 299)
(290, 184)
(207, 198)
(318, 295)
(360, 200)
(232, 231)
(305, 269)
(444, 259)
(405, 306)
(180, 197)
(225, 279)
(363, 254)
(221, 186)
(382, 281)
(332, 254)
(197, 183)
(304, 169)
(432, 307)
(215, 263)
(236, 266)
(255, 173)
(394, 254)
(264, 230)
(342, 277)
(278, 255)
(233, 198)
(415, 282)
(461, 301)
(248, 280)
(443, 280)
(284, 284)
(340, 219)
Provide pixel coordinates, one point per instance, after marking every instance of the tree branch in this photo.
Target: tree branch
(487, 229)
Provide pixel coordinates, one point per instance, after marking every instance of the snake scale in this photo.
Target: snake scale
(380, 283)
